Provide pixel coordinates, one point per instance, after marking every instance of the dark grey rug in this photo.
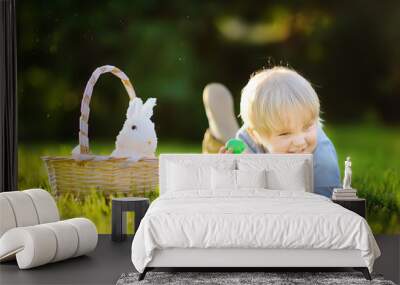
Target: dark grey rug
(229, 278)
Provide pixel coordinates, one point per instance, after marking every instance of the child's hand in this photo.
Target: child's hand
(223, 149)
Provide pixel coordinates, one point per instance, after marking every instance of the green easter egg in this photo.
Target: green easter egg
(235, 145)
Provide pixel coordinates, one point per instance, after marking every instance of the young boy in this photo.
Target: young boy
(281, 114)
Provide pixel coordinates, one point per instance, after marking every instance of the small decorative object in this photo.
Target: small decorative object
(132, 168)
(347, 174)
(345, 193)
(137, 139)
(235, 145)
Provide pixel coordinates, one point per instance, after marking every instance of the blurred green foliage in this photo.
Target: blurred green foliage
(171, 50)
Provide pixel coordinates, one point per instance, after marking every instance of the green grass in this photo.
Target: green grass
(375, 153)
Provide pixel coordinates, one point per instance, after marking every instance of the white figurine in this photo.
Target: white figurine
(138, 138)
(347, 174)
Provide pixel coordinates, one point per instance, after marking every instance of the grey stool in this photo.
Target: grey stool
(119, 207)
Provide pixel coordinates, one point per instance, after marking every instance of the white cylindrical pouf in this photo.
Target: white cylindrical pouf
(23, 208)
(34, 245)
(67, 239)
(7, 218)
(45, 205)
(87, 234)
(31, 232)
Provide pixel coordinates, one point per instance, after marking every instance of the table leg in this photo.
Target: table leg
(140, 211)
(117, 222)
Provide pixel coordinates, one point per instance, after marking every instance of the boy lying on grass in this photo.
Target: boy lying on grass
(281, 114)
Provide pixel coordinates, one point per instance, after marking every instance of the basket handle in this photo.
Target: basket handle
(85, 110)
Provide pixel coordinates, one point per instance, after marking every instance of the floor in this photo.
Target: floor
(111, 259)
(102, 266)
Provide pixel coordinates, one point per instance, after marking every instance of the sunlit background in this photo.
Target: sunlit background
(350, 51)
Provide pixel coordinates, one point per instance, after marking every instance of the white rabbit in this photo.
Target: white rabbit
(138, 138)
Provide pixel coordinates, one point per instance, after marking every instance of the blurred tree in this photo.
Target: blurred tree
(349, 51)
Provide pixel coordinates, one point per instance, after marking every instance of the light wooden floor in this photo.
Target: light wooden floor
(111, 259)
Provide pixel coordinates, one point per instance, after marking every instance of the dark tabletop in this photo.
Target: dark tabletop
(130, 199)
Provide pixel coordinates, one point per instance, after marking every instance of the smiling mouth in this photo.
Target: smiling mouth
(300, 151)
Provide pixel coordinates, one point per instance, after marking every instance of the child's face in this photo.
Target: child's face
(300, 137)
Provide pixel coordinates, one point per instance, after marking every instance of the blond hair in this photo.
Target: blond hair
(273, 97)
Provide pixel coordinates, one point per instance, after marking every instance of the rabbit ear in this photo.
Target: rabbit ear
(135, 106)
(147, 110)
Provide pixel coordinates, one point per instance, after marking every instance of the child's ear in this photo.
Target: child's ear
(251, 132)
(254, 135)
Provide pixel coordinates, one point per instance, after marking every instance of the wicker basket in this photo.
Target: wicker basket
(84, 172)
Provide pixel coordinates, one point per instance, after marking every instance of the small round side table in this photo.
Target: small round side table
(120, 206)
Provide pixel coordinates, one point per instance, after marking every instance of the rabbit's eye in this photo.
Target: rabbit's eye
(133, 127)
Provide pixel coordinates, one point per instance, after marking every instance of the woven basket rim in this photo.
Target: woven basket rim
(93, 157)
